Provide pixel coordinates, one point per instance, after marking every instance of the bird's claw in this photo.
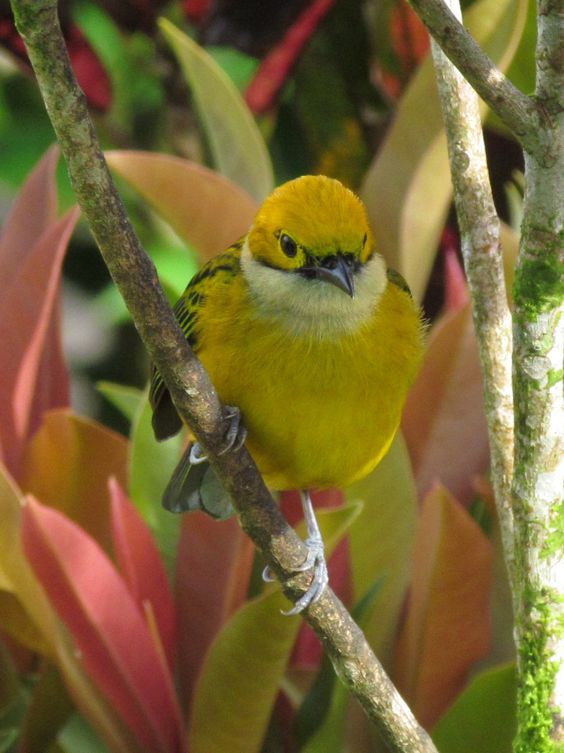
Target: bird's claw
(236, 433)
(235, 436)
(315, 560)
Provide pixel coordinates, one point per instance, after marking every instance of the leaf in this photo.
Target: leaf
(78, 735)
(250, 654)
(208, 211)
(55, 639)
(447, 623)
(444, 421)
(151, 464)
(381, 541)
(213, 567)
(33, 212)
(108, 628)
(126, 399)
(67, 465)
(483, 718)
(142, 568)
(236, 144)
(34, 376)
(407, 189)
(49, 709)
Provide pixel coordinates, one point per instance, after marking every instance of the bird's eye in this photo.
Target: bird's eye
(288, 245)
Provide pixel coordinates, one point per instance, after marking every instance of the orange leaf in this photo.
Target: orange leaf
(142, 568)
(444, 423)
(447, 625)
(67, 465)
(212, 577)
(106, 624)
(208, 211)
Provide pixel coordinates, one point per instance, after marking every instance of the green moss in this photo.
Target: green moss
(537, 677)
(539, 284)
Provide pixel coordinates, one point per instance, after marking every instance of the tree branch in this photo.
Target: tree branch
(518, 111)
(480, 233)
(190, 388)
(531, 515)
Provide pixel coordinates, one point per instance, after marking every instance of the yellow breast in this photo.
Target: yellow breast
(320, 410)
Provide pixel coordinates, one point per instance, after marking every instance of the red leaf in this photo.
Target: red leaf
(109, 630)
(142, 568)
(456, 289)
(444, 421)
(274, 70)
(34, 377)
(212, 577)
(447, 624)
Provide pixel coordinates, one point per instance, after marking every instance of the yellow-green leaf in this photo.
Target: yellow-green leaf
(243, 669)
(238, 149)
(381, 540)
(407, 189)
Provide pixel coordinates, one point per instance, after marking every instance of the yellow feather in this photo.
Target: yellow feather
(320, 377)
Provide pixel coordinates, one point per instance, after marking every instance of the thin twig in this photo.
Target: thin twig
(518, 111)
(190, 388)
(480, 232)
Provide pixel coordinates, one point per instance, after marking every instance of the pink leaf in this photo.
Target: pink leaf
(34, 377)
(33, 211)
(444, 422)
(109, 630)
(212, 577)
(142, 568)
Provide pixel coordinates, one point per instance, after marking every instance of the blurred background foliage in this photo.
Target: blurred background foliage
(323, 79)
(203, 107)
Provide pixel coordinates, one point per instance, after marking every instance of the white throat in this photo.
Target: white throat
(313, 308)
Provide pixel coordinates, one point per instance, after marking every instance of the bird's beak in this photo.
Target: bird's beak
(339, 272)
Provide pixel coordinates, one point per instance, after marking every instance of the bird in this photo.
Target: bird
(311, 341)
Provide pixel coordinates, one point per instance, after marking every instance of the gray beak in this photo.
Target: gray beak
(339, 271)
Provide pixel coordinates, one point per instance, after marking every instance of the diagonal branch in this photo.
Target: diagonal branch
(518, 111)
(480, 232)
(190, 388)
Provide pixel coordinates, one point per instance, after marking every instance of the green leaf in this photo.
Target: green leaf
(237, 147)
(483, 717)
(237, 65)
(407, 190)
(381, 540)
(243, 669)
(126, 399)
(78, 735)
(151, 464)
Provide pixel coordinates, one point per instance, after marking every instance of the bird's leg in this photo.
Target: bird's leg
(315, 559)
(234, 436)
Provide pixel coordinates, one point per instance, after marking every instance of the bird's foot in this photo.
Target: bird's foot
(315, 560)
(235, 436)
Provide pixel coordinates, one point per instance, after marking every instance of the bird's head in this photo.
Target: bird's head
(309, 258)
(314, 227)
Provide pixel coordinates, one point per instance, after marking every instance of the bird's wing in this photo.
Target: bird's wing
(166, 421)
(396, 279)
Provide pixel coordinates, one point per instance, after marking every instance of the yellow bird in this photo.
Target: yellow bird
(311, 339)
